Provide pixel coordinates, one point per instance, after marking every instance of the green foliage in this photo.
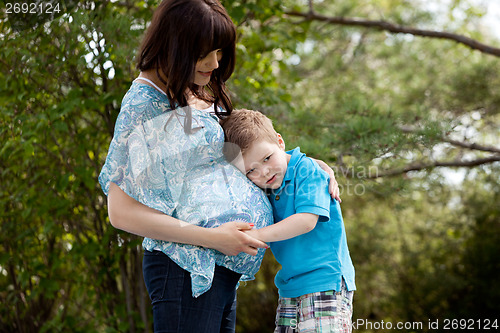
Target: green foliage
(257, 300)
(255, 82)
(64, 265)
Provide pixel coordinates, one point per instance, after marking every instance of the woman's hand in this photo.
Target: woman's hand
(254, 233)
(333, 187)
(230, 238)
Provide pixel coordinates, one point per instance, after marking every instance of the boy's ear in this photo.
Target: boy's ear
(281, 142)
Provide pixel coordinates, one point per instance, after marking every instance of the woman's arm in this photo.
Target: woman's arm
(292, 226)
(127, 214)
(333, 186)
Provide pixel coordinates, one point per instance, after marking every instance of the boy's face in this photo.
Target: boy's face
(265, 163)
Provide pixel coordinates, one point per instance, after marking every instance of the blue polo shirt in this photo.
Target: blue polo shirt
(318, 260)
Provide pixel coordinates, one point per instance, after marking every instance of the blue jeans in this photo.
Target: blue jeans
(174, 307)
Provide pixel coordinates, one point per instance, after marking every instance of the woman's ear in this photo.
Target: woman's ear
(281, 142)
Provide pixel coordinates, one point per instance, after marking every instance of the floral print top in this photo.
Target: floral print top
(161, 159)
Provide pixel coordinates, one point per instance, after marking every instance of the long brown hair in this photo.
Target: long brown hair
(182, 32)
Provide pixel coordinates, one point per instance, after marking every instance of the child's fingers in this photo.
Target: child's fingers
(333, 189)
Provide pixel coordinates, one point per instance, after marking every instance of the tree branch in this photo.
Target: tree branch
(473, 146)
(462, 144)
(423, 166)
(394, 28)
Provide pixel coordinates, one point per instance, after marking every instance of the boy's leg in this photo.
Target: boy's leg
(327, 311)
(286, 315)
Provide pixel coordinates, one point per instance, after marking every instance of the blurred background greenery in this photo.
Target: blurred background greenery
(408, 119)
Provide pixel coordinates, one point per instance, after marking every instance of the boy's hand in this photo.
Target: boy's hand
(333, 186)
(230, 238)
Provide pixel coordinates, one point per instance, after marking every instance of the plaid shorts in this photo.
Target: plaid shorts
(321, 312)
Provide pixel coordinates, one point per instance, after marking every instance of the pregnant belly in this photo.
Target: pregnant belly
(224, 197)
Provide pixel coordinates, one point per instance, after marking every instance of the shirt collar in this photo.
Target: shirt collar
(290, 170)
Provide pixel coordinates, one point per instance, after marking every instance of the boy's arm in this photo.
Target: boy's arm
(333, 186)
(292, 226)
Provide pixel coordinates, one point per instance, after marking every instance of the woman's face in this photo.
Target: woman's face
(205, 66)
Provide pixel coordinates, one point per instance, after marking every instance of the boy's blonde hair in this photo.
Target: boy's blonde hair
(244, 127)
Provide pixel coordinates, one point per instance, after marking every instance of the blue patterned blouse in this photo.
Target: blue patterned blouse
(153, 160)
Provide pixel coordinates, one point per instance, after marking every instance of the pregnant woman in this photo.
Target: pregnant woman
(166, 177)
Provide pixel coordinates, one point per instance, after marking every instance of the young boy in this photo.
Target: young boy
(316, 281)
